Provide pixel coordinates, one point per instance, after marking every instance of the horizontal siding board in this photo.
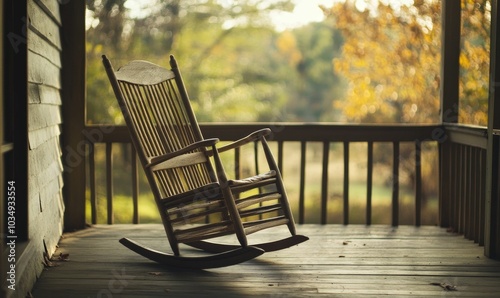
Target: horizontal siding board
(33, 93)
(43, 48)
(45, 164)
(38, 180)
(43, 25)
(50, 95)
(40, 136)
(51, 8)
(41, 71)
(43, 94)
(41, 116)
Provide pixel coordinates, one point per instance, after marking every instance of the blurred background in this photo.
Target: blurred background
(351, 61)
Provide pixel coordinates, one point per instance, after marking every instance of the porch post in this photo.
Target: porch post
(450, 52)
(492, 205)
(73, 112)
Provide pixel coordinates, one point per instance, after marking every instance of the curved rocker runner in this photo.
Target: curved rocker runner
(232, 257)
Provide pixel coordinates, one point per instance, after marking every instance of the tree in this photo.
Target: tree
(314, 86)
(226, 52)
(474, 62)
(390, 59)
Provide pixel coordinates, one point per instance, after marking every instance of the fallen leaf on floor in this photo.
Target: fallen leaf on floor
(47, 262)
(445, 286)
(345, 242)
(63, 257)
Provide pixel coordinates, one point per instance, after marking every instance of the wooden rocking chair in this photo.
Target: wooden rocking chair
(195, 201)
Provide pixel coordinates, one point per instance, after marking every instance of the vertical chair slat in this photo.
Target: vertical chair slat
(145, 128)
(369, 184)
(109, 182)
(346, 183)
(324, 183)
(418, 183)
(395, 184)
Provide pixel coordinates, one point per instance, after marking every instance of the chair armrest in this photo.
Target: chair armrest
(203, 143)
(248, 139)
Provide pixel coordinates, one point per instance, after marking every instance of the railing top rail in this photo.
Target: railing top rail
(470, 135)
(286, 131)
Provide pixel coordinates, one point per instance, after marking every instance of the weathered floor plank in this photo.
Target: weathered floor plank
(337, 261)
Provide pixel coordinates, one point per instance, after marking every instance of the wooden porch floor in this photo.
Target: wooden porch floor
(337, 261)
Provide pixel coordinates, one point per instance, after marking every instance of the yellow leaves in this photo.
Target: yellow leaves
(287, 45)
(390, 62)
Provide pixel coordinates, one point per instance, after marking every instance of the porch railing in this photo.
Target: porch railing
(462, 162)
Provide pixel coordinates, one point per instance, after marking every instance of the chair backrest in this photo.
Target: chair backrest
(157, 111)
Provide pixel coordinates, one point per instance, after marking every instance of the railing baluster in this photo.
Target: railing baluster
(418, 183)
(462, 190)
(302, 182)
(257, 171)
(237, 162)
(280, 156)
(482, 187)
(135, 186)
(453, 182)
(324, 183)
(468, 194)
(459, 158)
(93, 196)
(474, 191)
(109, 181)
(256, 159)
(445, 182)
(346, 183)
(369, 184)
(395, 185)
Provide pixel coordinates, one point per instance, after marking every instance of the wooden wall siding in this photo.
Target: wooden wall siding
(3, 259)
(45, 201)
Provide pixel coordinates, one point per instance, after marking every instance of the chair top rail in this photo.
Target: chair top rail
(143, 73)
